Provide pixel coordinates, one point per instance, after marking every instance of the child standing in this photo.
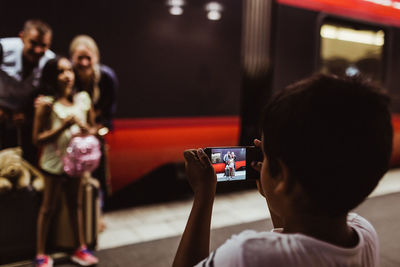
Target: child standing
(59, 116)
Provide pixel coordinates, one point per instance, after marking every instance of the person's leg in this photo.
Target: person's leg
(82, 255)
(74, 199)
(51, 194)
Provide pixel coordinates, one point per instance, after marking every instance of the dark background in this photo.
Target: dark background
(183, 66)
(168, 66)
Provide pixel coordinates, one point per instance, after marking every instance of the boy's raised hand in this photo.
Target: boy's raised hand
(195, 242)
(200, 173)
(257, 164)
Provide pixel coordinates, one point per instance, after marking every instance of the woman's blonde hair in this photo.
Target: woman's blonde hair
(90, 44)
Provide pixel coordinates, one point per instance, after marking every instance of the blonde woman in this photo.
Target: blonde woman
(101, 83)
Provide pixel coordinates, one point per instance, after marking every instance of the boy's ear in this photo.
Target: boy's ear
(283, 182)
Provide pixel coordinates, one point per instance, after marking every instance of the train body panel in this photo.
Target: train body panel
(138, 146)
(382, 12)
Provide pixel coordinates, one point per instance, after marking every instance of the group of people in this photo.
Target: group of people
(230, 166)
(69, 96)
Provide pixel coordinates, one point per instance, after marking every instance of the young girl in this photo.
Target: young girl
(59, 116)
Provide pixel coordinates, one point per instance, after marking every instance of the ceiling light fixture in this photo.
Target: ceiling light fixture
(176, 7)
(214, 10)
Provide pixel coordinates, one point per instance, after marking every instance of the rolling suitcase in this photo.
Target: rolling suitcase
(63, 237)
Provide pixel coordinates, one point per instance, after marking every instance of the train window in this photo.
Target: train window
(351, 51)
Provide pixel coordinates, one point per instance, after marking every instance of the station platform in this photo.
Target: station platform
(149, 235)
(140, 224)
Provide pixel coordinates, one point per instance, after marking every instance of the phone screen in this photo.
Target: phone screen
(229, 163)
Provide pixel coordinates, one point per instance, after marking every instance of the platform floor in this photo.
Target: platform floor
(381, 211)
(149, 235)
(146, 223)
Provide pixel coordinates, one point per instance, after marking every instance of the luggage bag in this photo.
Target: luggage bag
(64, 238)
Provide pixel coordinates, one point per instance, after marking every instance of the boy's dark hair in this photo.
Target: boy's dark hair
(335, 137)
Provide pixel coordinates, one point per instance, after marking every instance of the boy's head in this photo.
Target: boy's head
(333, 135)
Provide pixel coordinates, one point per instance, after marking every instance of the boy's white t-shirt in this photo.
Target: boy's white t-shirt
(254, 249)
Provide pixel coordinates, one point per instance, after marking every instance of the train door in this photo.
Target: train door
(351, 48)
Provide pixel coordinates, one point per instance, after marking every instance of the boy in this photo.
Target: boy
(327, 142)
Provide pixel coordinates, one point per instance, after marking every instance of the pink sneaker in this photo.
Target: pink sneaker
(84, 257)
(43, 261)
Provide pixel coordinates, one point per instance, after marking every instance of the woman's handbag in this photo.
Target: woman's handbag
(83, 154)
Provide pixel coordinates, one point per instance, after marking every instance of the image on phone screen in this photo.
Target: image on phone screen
(229, 163)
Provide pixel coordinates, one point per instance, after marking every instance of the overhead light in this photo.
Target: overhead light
(214, 6)
(176, 10)
(175, 2)
(214, 10)
(176, 7)
(214, 15)
(352, 71)
(350, 35)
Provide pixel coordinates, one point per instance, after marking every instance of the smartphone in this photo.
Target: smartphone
(234, 163)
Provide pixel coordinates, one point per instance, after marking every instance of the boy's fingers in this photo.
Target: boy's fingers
(204, 160)
(190, 155)
(257, 165)
(257, 143)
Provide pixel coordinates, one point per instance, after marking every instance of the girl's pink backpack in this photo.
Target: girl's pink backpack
(82, 154)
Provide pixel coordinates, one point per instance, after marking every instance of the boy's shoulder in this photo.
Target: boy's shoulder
(251, 248)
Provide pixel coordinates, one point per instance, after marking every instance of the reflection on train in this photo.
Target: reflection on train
(282, 41)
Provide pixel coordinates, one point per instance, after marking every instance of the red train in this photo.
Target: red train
(300, 38)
